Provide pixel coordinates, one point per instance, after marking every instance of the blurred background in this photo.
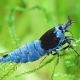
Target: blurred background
(23, 21)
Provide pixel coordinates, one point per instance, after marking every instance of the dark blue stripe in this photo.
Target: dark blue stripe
(18, 55)
(37, 45)
(25, 53)
(33, 54)
(12, 56)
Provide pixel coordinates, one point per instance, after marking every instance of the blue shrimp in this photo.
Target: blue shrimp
(52, 40)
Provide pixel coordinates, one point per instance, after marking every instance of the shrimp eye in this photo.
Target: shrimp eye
(60, 27)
